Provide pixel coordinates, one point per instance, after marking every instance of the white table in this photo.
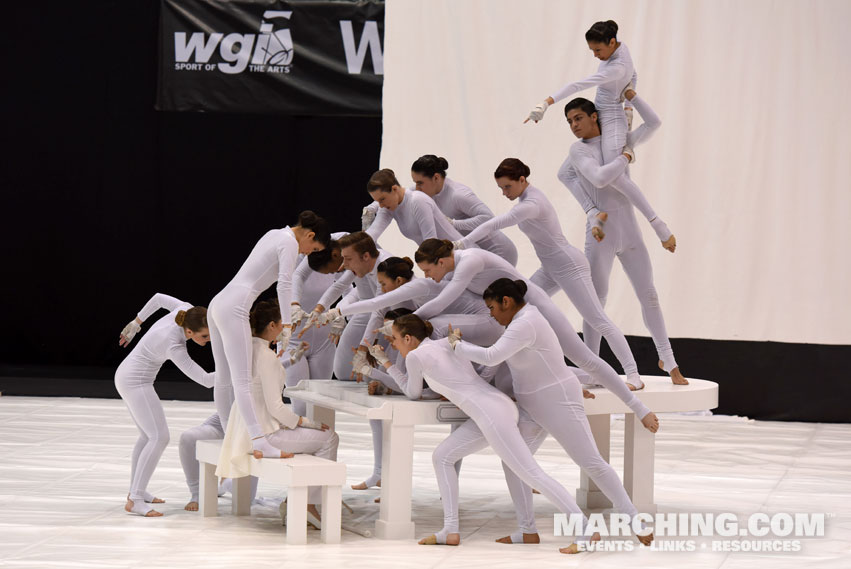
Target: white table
(326, 397)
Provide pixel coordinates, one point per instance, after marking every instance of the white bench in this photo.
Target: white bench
(296, 473)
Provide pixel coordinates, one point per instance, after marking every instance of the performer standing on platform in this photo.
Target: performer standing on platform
(584, 175)
(134, 380)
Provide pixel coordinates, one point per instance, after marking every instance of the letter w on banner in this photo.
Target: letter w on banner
(267, 56)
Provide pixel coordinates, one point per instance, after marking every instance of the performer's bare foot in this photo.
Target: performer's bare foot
(451, 539)
(645, 539)
(153, 499)
(128, 507)
(670, 244)
(573, 548)
(676, 375)
(527, 538)
(258, 454)
(587, 394)
(191, 507)
(535, 491)
(363, 486)
(597, 231)
(375, 387)
(651, 422)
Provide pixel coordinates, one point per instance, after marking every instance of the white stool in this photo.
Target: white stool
(296, 473)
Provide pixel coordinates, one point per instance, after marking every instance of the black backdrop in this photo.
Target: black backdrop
(107, 201)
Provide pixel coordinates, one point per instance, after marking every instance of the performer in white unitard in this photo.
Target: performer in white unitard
(134, 380)
(493, 416)
(210, 429)
(623, 237)
(361, 258)
(315, 274)
(272, 259)
(460, 204)
(475, 269)
(561, 262)
(614, 76)
(287, 432)
(417, 216)
(547, 390)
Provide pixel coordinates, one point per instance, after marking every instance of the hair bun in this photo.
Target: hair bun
(521, 284)
(408, 261)
(443, 163)
(180, 317)
(429, 328)
(613, 25)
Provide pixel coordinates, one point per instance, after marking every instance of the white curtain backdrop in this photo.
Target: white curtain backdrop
(750, 169)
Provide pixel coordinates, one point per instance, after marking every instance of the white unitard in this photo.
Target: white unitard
(418, 218)
(476, 269)
(266, 387)
(211, 429)
(550, 393)
(356, 330)
(466, 312)
(623, 237)
(273, 259)
(493, 418)
(134, 380)
(562, 263)
(467, 212)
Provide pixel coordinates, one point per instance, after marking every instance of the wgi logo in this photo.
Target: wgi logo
(271, 51)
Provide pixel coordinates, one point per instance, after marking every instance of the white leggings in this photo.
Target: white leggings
(624, 240)
(559, 410)
(230, 336)
(307, 441)
(351, 338)
(147, 412)
(492, 422)
(211, 429)
(572, 274)
(601, 372)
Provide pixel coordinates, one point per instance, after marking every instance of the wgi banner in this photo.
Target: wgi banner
(269, 56)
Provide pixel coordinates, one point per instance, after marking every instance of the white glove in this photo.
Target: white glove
(454, 336)
(297, 315)
(367, 216)
(308, 424)
(537, 113)
(337, 327)
(458, 245)
(130, 330)
(314, 319)
(387, 329)
(283, 338)
(331, 315)
(360, 365)
(298, 352)
(378, 353)
(628, 112)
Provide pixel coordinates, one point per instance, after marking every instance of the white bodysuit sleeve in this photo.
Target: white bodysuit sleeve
(287, 255)
(634, 81)
(180, 357)
(462, 277)
(599, 175)
(568, 176)
(300, 276)
(337, 289)
(473, 208)
(520, 212)
(651, 123)
(405, 292)
(514, 339)
(425, 217)
(412, 381)
(382, 222)
(158, 301)
(272, 377)
(609, 73)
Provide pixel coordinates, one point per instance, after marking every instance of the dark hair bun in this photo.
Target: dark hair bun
(443, 163)
(521, 285)
(428, 328)
(613, 26)
(180, 317)
(408, 262)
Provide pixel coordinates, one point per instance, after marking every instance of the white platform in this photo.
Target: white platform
(64, 472)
